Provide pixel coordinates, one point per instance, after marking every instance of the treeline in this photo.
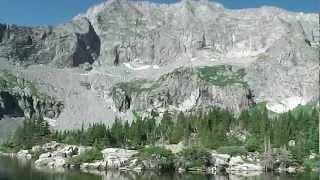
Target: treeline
(216, 129)
(33, 131)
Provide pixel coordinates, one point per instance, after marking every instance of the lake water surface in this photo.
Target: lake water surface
(11, 169)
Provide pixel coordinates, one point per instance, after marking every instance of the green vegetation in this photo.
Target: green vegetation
(137, 86)
(216, 129)
(196, 156)
(221, 75)
(164, 156)
(310, 164)
(33, 132)
(7, 81)
(88, 156)
(7, 148)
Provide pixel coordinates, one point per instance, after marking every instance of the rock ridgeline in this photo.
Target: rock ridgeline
(156, 34)
(119, 31)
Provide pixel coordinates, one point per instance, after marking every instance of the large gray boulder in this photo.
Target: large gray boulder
(115, 158)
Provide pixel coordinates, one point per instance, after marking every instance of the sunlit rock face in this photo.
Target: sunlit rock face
(146, 57)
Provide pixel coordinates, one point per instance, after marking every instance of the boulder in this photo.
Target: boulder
(291, 169)
(68, 151)
(51, 146)
(36, 149)
(51, 162)
(97, 165)
(237, 164)
(245, 167)
(59, 153)
(220, 160)
(43, 162)
(59, 162)
(116, 158)
(24, 154)
(45, 155)
(234, 161)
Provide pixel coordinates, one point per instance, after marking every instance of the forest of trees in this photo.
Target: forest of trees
(216, 129)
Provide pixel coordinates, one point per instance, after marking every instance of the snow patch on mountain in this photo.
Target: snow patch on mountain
(144, 67)
(285, 105)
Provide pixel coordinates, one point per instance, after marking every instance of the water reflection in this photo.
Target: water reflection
(11, 169)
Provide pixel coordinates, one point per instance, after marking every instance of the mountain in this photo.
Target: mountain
(125, 57)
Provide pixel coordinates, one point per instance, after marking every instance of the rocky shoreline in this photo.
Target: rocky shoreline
(55, 155)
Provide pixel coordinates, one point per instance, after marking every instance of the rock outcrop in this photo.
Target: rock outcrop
(186, 90)
(115, 158)
(19, 97)
(69, 45)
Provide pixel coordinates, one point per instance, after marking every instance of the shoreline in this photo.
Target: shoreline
(56, 156)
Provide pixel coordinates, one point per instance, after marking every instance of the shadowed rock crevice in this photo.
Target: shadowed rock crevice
(2, 31)
(88, 47)
(116, 53)
(9, 105)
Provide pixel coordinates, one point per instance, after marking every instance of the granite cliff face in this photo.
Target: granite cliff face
(67, 45)
(122, 57)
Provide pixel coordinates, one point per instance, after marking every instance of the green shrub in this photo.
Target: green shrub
(87, 157)
(166, 157)
(196, 156)
(311, 164)
(7, 148)
(253, 144)
(232, 150)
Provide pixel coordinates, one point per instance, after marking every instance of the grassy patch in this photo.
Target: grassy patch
(221, 75)
(137, 86)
